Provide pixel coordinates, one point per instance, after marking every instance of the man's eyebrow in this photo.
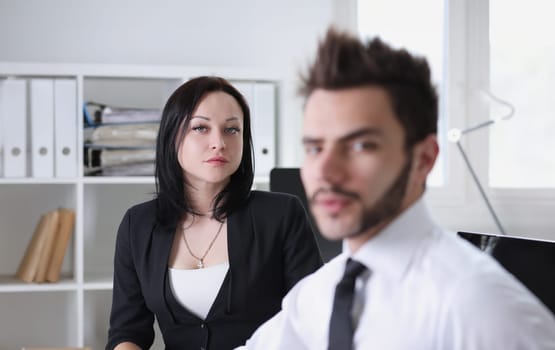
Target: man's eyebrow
(361, 132)
(347, 137)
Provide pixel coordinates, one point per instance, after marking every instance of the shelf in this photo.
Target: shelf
(148, 180)
(11, 284)
(97, 281)
(39, 181)
(75, 311)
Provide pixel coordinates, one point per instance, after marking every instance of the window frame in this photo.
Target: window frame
(522, 211)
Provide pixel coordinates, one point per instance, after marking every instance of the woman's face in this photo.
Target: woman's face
(212, 146)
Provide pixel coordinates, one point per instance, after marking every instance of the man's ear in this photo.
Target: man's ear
(425, 155)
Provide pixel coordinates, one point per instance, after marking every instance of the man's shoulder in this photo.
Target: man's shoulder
(458, 272)
(475, 297)
(450, 257)
(325, 278)
(477, 289)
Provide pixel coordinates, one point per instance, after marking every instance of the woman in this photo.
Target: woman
(209, 258)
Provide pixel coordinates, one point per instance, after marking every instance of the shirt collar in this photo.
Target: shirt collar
(392, 249)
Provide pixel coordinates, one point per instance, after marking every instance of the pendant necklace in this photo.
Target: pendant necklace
(200, 264)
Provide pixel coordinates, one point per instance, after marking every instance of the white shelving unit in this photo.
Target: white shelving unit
(74, 312)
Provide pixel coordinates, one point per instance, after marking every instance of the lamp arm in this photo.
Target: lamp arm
(480, 188)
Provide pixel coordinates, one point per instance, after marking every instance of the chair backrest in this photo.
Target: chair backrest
(288, 180)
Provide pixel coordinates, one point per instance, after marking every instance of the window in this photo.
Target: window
(522, 72)
(419, 28)
(500, 48)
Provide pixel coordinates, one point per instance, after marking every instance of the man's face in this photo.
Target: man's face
(356, 170)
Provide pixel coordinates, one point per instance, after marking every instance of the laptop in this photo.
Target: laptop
(532, 261)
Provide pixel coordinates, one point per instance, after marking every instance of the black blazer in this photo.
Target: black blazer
(270, 246)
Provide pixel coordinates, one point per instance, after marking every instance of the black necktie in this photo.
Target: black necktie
(341, 323)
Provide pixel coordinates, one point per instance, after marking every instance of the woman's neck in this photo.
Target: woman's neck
(203, 196)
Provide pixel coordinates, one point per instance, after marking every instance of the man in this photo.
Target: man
(402, 282)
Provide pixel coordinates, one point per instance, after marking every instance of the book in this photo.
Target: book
(65, 230)
(47, 248)
(30, 261)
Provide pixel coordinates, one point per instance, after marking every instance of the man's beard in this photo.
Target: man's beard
(387, 207)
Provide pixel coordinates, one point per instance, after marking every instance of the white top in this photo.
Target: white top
(197, 289)
(427, 290)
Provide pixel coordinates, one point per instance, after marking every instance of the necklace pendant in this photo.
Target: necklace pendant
(200, 264)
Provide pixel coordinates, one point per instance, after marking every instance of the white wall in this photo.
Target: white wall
(209, 32)
(278, 35)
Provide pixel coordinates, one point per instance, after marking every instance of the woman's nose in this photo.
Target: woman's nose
(218, 141)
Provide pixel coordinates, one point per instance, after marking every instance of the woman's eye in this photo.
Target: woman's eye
(232, 130)
(199, 128)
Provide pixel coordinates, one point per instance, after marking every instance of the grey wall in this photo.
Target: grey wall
(278, 35)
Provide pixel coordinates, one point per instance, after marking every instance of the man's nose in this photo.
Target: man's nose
(332, 166)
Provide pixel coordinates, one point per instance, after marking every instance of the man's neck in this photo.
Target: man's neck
(359, 240)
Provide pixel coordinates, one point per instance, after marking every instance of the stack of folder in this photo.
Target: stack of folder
(119, 141)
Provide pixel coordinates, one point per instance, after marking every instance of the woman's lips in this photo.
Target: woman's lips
(217, 161)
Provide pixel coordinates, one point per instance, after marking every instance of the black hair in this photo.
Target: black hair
(173, 200)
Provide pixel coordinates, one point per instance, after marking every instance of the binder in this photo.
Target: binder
(264, 128)
(1, 131)
(247, 90)
(261, 98)
(13, 126)
(42, 127)
(65, 128)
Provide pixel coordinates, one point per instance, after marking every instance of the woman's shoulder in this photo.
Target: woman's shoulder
(143, 210)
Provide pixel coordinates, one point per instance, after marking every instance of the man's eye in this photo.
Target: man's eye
(232, 131)
(312, 149)
(364, 146)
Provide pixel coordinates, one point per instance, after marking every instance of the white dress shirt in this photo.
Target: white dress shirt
(426, 289)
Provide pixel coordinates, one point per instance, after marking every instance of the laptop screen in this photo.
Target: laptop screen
(532, 261)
